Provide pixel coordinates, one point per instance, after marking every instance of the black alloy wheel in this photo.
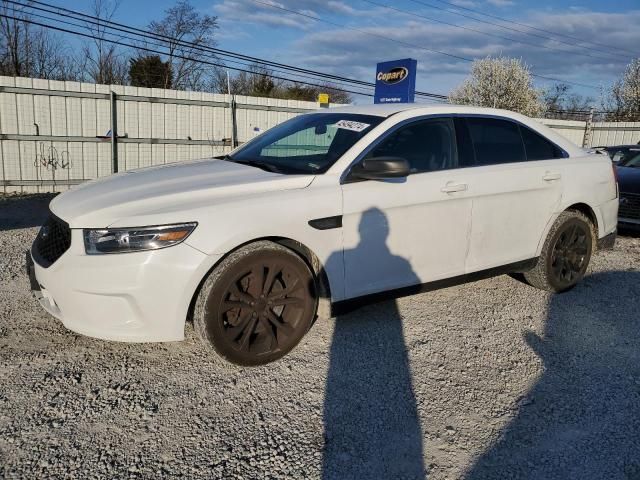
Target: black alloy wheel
(565, 254)
(571, 254)
(260, 305)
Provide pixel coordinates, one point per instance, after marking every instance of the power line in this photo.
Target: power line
(407, 44)
(489, 34)
(147, 34)
(512, 29)
(340, 83)
(115, 42)
(479, 12)
(64, 30)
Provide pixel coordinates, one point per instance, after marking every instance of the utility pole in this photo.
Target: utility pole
(114, 135)
(232, 108)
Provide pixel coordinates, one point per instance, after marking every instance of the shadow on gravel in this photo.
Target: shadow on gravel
(582, 418)
(24, 211)
(371, 423)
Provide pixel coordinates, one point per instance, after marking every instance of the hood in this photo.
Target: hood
(168, 188)
(629, 179)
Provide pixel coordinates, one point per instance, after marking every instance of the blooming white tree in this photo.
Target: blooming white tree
(624, 99)
(500, 82)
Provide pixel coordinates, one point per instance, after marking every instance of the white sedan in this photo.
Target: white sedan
(330, 207)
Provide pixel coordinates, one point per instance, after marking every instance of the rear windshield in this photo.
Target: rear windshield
(306, 144)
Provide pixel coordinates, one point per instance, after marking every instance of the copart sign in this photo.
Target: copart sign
(396, 81)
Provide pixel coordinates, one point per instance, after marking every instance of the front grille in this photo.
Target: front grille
(52, 241)
(629, 206)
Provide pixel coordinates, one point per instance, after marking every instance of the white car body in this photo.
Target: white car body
(490, 216)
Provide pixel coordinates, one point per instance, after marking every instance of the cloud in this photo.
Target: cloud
(274, 13)
(464, 3)
(500, 3)
(248, 12)
(353, 53)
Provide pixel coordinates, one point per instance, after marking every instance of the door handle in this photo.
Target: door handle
(451, 188)
(550, 177)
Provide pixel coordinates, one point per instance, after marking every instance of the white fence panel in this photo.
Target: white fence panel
(572, 130)
(615, 133)
(49, 141)
(54, 134)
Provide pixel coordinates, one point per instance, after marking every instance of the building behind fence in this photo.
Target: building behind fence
(54, 134)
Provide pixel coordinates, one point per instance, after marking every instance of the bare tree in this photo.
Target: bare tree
(309, 93)
(499, 83)
(185, 32)
(623, 100)
(103, 61)
(257, 82)
(28, 50)
(560, 102)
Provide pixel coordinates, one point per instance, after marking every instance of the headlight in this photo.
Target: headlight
(121, 240)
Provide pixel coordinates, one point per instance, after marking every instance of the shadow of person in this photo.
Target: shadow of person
(371, 423)
(582, 418)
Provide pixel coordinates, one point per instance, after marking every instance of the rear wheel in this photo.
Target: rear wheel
(257, 304)
(565, 254)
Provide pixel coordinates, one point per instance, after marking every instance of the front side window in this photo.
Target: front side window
(306, 144)
(428, 145)
(495, 141)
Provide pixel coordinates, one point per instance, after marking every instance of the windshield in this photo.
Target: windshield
(631, 159)
(306, 144)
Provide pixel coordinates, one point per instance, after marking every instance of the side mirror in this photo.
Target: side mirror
(380, 168)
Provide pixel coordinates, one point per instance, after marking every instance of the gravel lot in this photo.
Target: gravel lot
(487, 380)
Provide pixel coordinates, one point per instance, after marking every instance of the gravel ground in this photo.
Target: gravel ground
(487, 380)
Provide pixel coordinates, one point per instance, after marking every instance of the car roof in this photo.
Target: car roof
(386, 110)
(419, 109)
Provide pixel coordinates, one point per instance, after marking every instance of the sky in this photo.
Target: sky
(595, 39)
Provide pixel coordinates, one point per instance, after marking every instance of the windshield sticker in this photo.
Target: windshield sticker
(351, 125)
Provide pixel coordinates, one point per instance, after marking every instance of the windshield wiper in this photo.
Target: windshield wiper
(264, 166)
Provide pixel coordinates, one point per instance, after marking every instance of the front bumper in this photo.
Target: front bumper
(132, 297)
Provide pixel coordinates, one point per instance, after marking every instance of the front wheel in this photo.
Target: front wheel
(565, 254)
(257, 304)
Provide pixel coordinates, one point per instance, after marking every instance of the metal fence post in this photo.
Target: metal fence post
(114, 134)
(588, 128)
(234, 131)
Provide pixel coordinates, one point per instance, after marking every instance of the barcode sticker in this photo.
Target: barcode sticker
(351, 125)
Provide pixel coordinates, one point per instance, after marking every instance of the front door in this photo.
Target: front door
(403, 232)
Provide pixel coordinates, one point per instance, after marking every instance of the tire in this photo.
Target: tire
(256, 305)
(565, 254)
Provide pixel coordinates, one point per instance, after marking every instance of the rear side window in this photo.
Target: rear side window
(495, 141)
(538, 147)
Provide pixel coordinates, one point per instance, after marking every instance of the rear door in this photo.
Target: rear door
(516, 186)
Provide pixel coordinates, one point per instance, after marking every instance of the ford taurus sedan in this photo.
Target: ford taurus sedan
(341, 205)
